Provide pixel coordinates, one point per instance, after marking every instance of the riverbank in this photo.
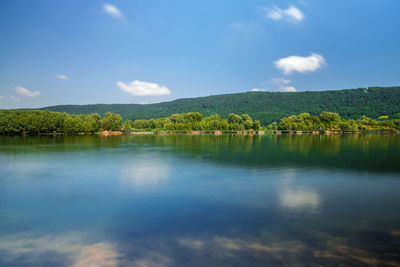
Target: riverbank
(267, 132)
(250, 132)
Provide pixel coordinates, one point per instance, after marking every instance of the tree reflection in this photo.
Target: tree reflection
(358, 152)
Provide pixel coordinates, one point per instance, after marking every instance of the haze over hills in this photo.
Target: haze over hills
(264, 106)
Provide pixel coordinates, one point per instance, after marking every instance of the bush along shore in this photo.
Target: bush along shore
(35, 122)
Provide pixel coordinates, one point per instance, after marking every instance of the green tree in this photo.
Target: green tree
(247, 121)
(236, 126)
(273, 126)
(256, 125)
(112, 122)
(330, 119)
(127, 125)
(233, 118)
(193, 117)
(177, 118)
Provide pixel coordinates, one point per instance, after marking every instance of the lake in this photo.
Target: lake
(181, 200)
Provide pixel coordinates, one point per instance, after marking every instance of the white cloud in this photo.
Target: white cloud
(275, 14)
(292, 13)
(1, 97)
(62, 77)
(16, 99)
(279, 84)
(139, 88)
(283, 84)
(300, 64)
(112, 10)
(288, 89)
(258, 90)
(25, 92)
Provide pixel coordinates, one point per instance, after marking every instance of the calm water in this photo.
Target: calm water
(200, 200)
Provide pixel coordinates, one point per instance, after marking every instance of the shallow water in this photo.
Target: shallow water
(200, 200)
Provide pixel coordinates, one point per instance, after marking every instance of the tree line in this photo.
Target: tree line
(16, 122)
(196, 121)
(333, 121)
(32, 122)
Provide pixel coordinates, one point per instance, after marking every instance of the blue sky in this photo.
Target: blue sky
(84, 52)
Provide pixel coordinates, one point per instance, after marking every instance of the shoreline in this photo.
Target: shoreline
(268, 132)
(217, 133)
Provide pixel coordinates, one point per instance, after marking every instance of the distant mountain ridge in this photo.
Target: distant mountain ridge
(263, 106)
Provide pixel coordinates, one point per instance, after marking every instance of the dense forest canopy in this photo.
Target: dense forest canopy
(264, 106)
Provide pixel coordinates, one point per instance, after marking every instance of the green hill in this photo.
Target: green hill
(263, 106)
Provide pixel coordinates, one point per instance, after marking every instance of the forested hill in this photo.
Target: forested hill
(263, 106)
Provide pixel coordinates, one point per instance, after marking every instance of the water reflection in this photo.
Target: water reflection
(299, 199)
(26, 167)
(354, 152)
(74, 249)
(70, 249)
(144, 171)
(295, 197)
(200, 201)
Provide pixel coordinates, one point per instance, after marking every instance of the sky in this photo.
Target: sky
(87, 52)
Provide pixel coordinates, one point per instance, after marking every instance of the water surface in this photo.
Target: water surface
(200, 200)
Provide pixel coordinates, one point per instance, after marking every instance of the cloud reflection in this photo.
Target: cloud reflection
(25, 168)
(264, 251)
(191, 243)
(299, 199)
(247, 251)
(339, 251)
(144, 172)
(295, 198)
(58, 250)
